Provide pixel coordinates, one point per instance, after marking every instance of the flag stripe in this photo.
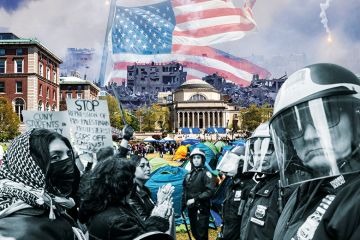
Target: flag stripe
(202, 6)
(215, 38)
(219, 12)
(177, 3)
(203, 32)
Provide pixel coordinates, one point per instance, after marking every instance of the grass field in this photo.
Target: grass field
(181, 235)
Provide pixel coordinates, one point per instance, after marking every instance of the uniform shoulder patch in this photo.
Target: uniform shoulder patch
(208, 174)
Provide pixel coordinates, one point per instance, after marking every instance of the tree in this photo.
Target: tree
(253, 116)
(116, 116)
(9, 121)
(154, 118)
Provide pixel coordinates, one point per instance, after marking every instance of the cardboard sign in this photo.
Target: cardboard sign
(90, 124)
(57, 121)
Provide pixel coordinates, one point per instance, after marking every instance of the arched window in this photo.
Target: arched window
(47, 106)
(197, 97)
(19, 105)
(40, 106)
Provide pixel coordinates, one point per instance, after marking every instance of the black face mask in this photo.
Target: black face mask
(61, 177)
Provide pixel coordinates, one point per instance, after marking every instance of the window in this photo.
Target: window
(19, 66)
(54, 95)
(197, 97)
(41, 69)
(2, 87)
(68, 95)
(47, 107)
(53, 107)
(19, 105)
(47, 92)
(40, 90)
(18, 87)
(48, 73)
(19, 51)
(54, 76)
(78, 95)
(2, 66)
(2, 52)
(40, 106)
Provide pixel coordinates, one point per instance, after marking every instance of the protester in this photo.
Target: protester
(38, 177)
(236, 194)
(198, 188)
(264, 204)
(140, 198)
(104, 207)
(315, 128)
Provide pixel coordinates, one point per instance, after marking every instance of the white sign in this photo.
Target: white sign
(90, 124)
(57, 121)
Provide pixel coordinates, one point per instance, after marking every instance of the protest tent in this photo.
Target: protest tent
(180, 153)
(157, 163)
(190, 141)
(149, 139)
(219, 145)
(164, 175)
(167, 139)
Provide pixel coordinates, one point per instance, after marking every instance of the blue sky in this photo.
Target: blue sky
(284, 28)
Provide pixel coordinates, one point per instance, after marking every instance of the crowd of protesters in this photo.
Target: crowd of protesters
(297, 177)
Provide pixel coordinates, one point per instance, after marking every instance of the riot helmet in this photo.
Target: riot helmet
(232, 161)
(315, 124)
(259, 154)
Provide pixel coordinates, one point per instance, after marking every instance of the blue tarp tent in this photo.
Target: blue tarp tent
(165, 175)
(238, 142)
(190, 130)
(190, 141)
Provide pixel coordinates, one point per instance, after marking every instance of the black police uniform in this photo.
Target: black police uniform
(262, 209)
(198, 184)
(311, 202)
(234, 204)
(342, 219)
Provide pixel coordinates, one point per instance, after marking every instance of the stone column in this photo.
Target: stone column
(178, 119)
(203, 113)
(183, 119)
(187, 118)
(193, 119)
(218, 119)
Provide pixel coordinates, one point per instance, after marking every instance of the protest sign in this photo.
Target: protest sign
(57, 121)
(90, 124)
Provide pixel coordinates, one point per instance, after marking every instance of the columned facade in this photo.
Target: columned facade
(200, 119)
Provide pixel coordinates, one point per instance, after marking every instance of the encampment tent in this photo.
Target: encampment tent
(167, 139)
(150, 139)
(180, 153)
(165, 175)
(157, 163)
(190, 141)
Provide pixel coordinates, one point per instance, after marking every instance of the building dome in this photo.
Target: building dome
(195, 83)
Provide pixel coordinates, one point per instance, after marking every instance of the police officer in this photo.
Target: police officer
(237, 193)
(315, 128)
(263, 205)
(198, 188)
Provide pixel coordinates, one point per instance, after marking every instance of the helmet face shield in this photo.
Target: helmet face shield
(229, 163)
(260, 156)
(316, 139)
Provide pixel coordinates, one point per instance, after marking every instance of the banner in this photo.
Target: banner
(90, 124)
(57, 121)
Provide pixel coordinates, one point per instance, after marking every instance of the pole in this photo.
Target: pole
(186, 226)
(105, 48)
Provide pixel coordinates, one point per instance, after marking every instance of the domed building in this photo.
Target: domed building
(198, 105)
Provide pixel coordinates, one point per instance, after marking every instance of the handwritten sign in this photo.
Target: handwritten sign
(57, 121)
(90, 124)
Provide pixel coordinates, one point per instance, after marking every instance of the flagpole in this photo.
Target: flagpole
(105, 48)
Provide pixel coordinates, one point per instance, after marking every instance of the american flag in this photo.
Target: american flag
(181, 31)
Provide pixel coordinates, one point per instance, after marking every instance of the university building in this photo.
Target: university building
(74, 87)
(29, 76)
(196, 106)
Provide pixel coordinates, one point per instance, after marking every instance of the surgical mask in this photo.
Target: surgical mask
(62, 175)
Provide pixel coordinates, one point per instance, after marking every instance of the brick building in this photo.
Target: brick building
(74, 87)
(28, 74)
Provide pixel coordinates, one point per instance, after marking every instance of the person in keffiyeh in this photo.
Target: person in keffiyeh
(37, 178)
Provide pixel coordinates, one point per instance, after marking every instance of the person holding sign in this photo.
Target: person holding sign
(38, 178)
